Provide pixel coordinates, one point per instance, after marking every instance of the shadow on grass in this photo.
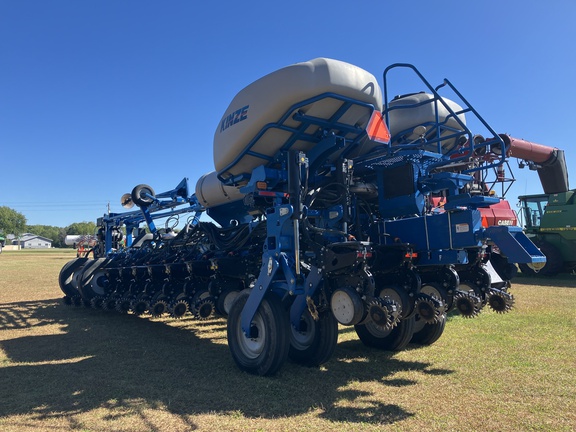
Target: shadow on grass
(95, 359)
(560, 281)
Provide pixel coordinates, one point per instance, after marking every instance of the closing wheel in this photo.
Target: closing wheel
(266, 350)
(395, 339)
(140, 305)
(466, 301)
(205, 308)
(143, 195)
(123, 304)
(66, 276)
(179, 306)
(427, 334)
(314, 342)
(93, 279)
(158, 305)
(500, 301)
(432, 303)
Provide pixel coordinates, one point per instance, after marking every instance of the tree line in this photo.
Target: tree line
(14, 222)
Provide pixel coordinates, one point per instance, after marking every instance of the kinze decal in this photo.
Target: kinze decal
(236, 117)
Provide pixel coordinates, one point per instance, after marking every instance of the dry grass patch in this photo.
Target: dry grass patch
(66, 368)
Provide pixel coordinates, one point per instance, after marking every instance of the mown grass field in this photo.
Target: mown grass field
(67, 368)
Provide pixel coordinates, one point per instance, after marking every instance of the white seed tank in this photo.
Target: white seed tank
(423, 113)
(211, 192)
(266, 100)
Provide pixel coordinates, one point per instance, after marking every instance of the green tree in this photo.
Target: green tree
(81, 228)
(62, 237)
(11, 221)
(58, 234)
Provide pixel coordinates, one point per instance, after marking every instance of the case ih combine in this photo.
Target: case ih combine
(330, 203)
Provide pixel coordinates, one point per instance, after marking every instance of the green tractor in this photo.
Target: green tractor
(550, 222)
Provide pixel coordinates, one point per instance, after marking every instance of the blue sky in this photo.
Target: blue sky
(99, 96)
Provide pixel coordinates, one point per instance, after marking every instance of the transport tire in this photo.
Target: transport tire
(390, 340)
(266, 351)
(66, 276)
(315, 341)
(93, 280)
(554, 260)
(427, 334)
(142, 195)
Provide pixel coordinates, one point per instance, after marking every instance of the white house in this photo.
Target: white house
(31, 241)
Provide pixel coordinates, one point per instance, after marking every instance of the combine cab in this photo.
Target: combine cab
(323, 212)
(549, 221)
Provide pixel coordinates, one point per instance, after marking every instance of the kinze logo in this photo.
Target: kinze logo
(235, 117)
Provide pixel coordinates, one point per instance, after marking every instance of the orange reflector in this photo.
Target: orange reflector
(377, 129)
(261, 185)
(484, 222)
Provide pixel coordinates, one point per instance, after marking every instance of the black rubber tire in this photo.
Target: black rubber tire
(427, 334)
(390, 340)
(139, 195)
(66, 276)
(92, 279)
(264, 354)
(554, 260)
(317, 343)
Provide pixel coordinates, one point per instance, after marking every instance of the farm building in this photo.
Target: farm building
(31, 241)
